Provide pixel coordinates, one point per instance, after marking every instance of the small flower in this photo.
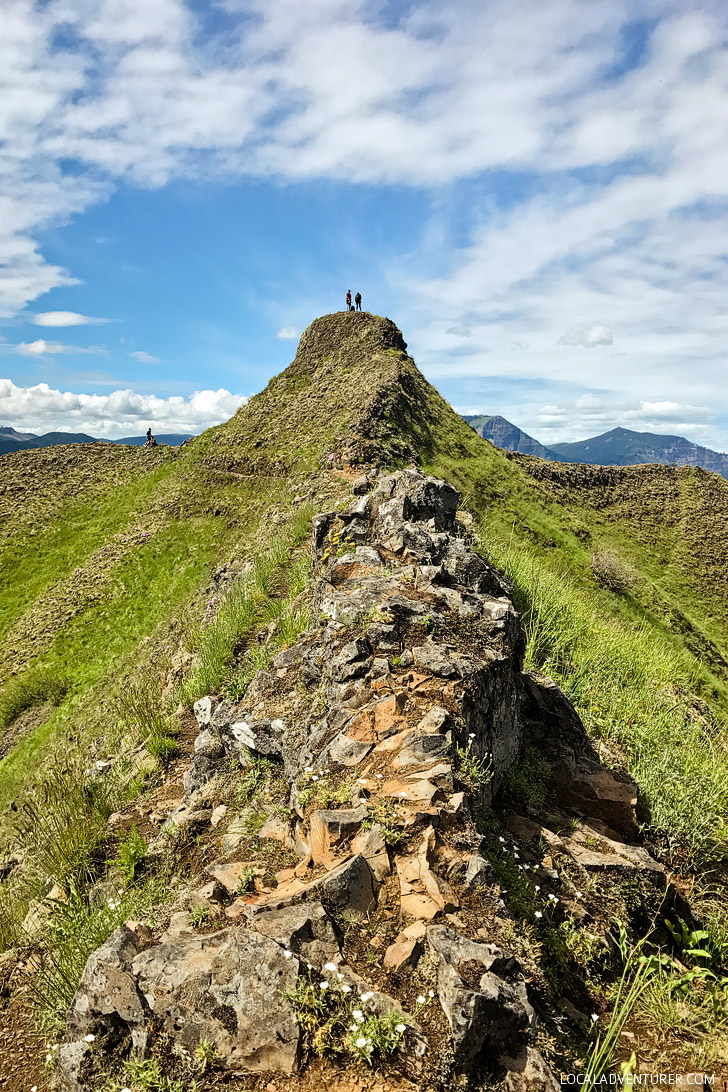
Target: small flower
(362, 799)
(538, 914)
(323, 985)
(361, 1042)
(402, 792)
(400, 1028)
(595, 1017)
(329, 966)
(287, 954)
(421, 999)
(579, 895)
(536, 887)
(430, 993)
(379, 776)
(501, 839)
(367, 996)
(346, 989)
(358, 1016)
(49, 1057)
(89, 1038)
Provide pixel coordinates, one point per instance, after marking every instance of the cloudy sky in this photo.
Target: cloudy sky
(535, 192)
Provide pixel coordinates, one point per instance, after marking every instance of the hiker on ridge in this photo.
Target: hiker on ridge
(151, 442)
(357, 301)
(348, 299)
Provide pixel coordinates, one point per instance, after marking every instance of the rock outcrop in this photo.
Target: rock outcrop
(394, 718)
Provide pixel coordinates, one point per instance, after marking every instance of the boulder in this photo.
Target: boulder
(483, 996)
(305, 929)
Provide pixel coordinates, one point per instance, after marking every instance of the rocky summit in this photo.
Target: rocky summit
(417, 661)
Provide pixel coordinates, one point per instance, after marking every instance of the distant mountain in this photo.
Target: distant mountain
(172, 438)
(508, 436)
(12, 440)
(9, 440)
(622, 447)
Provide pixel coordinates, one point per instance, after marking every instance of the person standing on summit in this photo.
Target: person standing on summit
(348, 299)
(357, 301)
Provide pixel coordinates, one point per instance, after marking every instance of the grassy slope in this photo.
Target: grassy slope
(85, 585)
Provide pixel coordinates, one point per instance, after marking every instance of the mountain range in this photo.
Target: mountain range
(13, 440)
(618, 447)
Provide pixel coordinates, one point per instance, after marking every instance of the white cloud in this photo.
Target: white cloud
(626, 167)
(288, 333)
(54, 348)
(458, 331)
(145, 358)
(67, 318)
(123, 412)
(588, 336)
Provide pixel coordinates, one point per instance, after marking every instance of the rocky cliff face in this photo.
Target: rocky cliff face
(508, 436)
(389, 725)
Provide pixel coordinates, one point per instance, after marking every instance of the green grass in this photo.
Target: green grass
(632, 686)
(260, 596)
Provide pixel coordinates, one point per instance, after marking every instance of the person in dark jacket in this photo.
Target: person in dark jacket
(348, 299)
(357, 301)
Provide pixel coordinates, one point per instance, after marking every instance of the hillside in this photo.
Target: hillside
(507, 436)
(140, 585)
(623, 447)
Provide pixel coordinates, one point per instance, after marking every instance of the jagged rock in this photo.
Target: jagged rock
(382, 636)
(329, 827)
(186, 817)
(371, 845)
(202, 769)
(204, 709)
(593, 848)
(423, 893)
(484, 1010)
(229, 875)
(595, 792)
(107, 994)
(528, 1071)
(478, 872)
(305, 929)
(229, 988)
(401, 954)
(208, 744)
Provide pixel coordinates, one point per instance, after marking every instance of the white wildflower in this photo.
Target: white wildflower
(538, 914)
(329, 966)
(287, 954)
(367, 996)
(501, 839)
(430, 993)
(358, 1016)
(89, 1038)
(595, 1017)
(361, 1042)
(323, 985)
(578, 894)
(536, 887)
(346, 989)
(400, 1028)
(421, 999)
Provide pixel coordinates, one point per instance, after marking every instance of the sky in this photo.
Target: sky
(536, 193)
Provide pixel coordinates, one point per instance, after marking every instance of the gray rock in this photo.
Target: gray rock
(436, 660)
(203, 710)
(208, 744)
(381, 636)
(305, 929)
(202, 769)
(486, 1012)
(230, 988)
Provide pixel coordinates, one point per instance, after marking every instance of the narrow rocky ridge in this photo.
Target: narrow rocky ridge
(394, 721)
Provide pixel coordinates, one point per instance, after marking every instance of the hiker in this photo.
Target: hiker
(348, 299)
(357, 301)
(151, 442)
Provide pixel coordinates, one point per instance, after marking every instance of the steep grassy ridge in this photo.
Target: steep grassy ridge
(103, 547)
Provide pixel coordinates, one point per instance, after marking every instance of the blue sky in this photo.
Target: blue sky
(536, 193)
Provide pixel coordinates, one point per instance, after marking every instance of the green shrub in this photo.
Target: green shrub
(132, 852)
(31, 688)
(610, 571)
